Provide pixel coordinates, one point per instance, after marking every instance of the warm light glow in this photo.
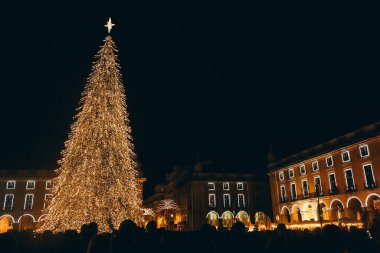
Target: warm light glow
(167, 204)
(97, 177)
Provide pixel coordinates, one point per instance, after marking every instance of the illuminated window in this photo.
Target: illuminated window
(241, 200)
(350, 183)
(28, 204)
(48, 184)
(333, 186)
(364, 150)
(291, 173)
(302, 169)
(226, 186)
(281, 176)
(283, 193)
(369, 177)
(315, 166)
(11, 184)
(305, 189)
(47, 199)
(318, 186)
(211, 186)
(8, 202)
(226, 200)
(329, 161)
(240, 186)
(30, 184)
(293, 191)
(345, 156)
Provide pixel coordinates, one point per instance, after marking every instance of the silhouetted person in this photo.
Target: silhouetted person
(279, 241)
(100, 244)
(124, 238)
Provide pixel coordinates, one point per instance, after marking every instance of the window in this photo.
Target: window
(211, 200)
(30, 184)
(240, 186)
(291, 173)
(368, 174)
(364, 150)
(350, 184)
(226, 186)
(211, 186)
(226, 200)
(241, 200)
(28, 204)
(333, 186)
(283, 193)
(302, 169)
(47, 199)
(8, 202)
(48, 184)
(281, 176)
(293, 191)
(315, 166)
(329, 161)
(305, 189)
(318, 186)
(11, 184)
(345, 156)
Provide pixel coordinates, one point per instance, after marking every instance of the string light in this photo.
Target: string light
(167, 204)
(97, 177)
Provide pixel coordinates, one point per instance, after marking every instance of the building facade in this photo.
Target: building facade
(24, 194)
(220, 199)
(336, 181)
(23, 197)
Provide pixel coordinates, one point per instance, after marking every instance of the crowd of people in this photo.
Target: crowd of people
(131, 238)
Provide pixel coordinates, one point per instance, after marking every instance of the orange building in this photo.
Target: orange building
(334, 182)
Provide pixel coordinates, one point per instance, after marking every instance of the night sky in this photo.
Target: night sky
(216, 81)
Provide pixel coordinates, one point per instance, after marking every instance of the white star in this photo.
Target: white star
(109, 25)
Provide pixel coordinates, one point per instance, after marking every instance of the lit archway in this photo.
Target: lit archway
(296, 213)
(285, 214)
(354, 208)
(26, 222)
(370, 198)
(227, 219)
(243, 217)
(212, 218)
(6, 223)
(337, 209)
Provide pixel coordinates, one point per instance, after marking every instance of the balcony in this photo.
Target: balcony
(351, 188)
(306, 195)
(370, 185)
(334, 190)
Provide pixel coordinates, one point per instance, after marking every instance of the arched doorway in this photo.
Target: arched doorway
(26, 222)
(285, 215)
(354, 208)
(227, 219)
(297, 217)
(243, 217)
(373, 206)
(6, 222)
(324, 211)
(337, 209)
(212, 219)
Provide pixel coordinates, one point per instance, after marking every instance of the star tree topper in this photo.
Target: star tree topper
(109, 25)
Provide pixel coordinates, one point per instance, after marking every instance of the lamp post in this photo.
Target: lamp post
(317, 192)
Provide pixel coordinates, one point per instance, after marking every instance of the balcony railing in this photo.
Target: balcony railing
(306, 194)
(283, 199)
(370, 185)
(351, 188)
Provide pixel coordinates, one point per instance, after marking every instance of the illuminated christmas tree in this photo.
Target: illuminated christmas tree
(97, 177)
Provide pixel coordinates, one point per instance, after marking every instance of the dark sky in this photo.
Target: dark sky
(217, 81)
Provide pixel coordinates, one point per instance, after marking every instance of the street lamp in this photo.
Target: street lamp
(317, 192)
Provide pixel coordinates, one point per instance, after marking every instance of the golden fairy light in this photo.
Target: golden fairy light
(97, 177)
(167, 204)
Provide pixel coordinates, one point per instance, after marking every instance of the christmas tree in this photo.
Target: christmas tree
(97, 176)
